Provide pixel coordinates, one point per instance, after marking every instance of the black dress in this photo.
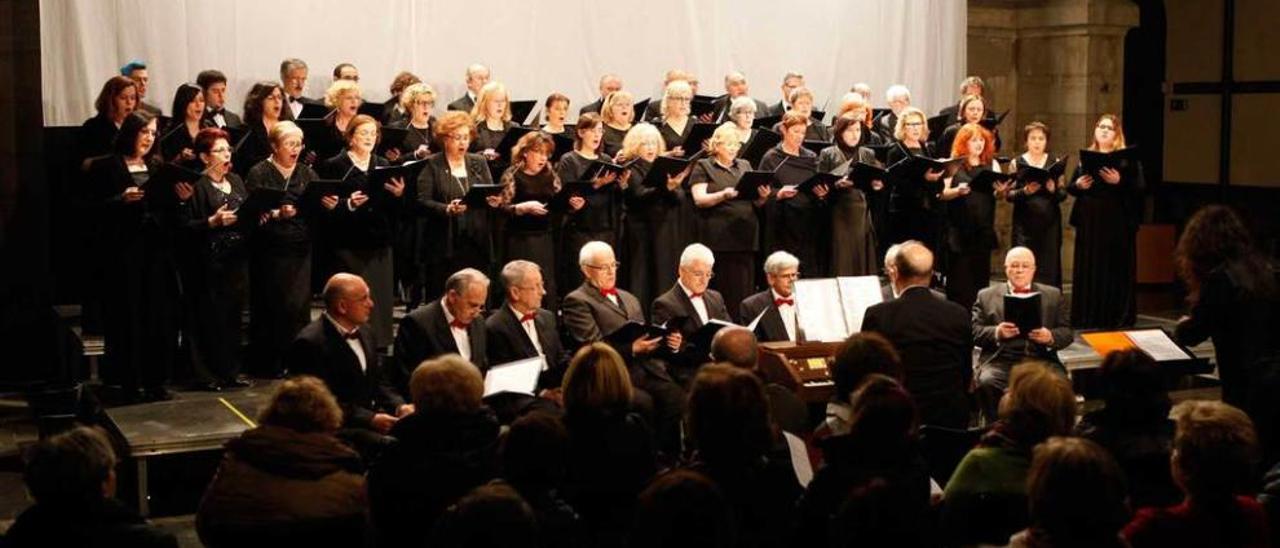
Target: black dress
(672, 139)
(914, 210)
(454, 242)
(532, 237)
(490, 139)
(411, 231)
(795, 224)
(853, 236)
(359, 240)
(1037, 224)
(600, 219)
(95, 138)
(175, 137)
(729, 228)
(280, 268)
(971, 236)
(611, 143)
(255, 148)
(1106, 219)
(223, 278)
(139, 313)
(657, 231)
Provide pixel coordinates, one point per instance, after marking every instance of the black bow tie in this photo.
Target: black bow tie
(293, 99)
(216, 111)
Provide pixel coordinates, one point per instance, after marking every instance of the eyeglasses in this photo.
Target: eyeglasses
(913, 124)
(701, 275)
(788, 276)
(611, 266)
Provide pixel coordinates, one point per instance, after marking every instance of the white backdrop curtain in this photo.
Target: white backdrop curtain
(534, 47)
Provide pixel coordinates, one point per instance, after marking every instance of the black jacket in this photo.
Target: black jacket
(425, 334)
(102, 524)
(770, 328)
(321, 351)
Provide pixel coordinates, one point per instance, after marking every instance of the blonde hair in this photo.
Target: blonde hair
(597, 379)
(336, 89)
(1115, 120)
(411, 94)
(447, 385)
(639, 135)
(799, 92)
(281, 130)
(606, 108)
(725, 133)
(680, 87)
(1039, 403)
(899, 131)
(303, 404)
(852, 101)
(485, 96)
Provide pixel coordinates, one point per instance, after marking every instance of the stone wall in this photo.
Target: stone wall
(1057, 61)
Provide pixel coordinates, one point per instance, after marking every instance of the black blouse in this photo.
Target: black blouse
(524, 187)
(730, 225)
(603, 208)
(283, 232)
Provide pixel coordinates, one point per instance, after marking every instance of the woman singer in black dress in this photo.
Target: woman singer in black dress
(914, 211)
(1037, 214)
(417, 101)
(618, 114)
(263, 109)
(177, 140)
(971, 215)
(1106, 215)
(359, 230)
(853, 237)
(792, 216)
(280, 254)
(529, 187)
(222, 281)
(139, 312)
(726, 220)
(600, 217)
(676, 124)
(656, 229)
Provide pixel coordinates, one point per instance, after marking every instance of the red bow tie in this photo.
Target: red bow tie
(696, 295)
(528, 317)
(353, 334)
(780, 302)
(1021, 291)
(458, 324)
(611, 291)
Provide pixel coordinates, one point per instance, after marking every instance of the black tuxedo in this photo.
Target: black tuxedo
(770, 328)
(425, 334)
(935, 340)
(886, 292)
(675, 305)
(231, 119)
(320, 350)
(463, 103)
(506, 341)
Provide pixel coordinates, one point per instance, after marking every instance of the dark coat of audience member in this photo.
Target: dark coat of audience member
(289, 480)
(532, 456)
(490, 516)
(447, 447)
(71, 476)
(683, 509)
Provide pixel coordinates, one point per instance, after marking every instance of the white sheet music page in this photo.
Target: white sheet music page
(856, 294)
(1157, 344)
(520, 377)
(819, 311)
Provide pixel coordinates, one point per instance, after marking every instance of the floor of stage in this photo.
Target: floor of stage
(175, 445)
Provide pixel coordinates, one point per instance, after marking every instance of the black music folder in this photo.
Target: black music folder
(1023, 310)
(520, 110)
(1121, 160)
(477, 196)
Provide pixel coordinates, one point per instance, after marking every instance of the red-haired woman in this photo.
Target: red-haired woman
(971, 214)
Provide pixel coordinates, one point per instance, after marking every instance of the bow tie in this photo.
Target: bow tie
(459, 325)
(1021, 291)
(780, 302)
(607, 292)
(528, 317)
(354, 334)
(293, 99)
(696, 295)
(216, 111)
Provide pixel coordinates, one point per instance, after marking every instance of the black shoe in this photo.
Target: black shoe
(158, 393)
(238, 382)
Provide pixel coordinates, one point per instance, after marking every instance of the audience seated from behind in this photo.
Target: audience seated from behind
(290, 480)
(533, 457)
(1134, 426)
(611, 449)
(1215, 455)
(727, 423)
(490, 516)
(874, 487)
(683, 509)
(72, 478)
(737, 346)
(858, 357)
(445, 448)
(1076, 497)
(986, 498)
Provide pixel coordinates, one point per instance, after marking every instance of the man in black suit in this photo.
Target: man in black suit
(773, 310)
(735, 86)
(890, 271)
(598, 308)
(522, 329)
(339, 350)
(609, 83)
(214, 84)
(293, 78)
(445, 326)
(477, 77)
(791, 81)
(688, 306)
(899, 98)
(1003, 346)
(933, 337)
(971, 85)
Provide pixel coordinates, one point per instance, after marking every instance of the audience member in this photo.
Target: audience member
(1215, 455)
(533, 456)
(1076, 497)
(72, 478)
(288, 481)
(490, 516)
(683, 509)
(445, 448)
(861, 355)
(738, 347)
(986, 497)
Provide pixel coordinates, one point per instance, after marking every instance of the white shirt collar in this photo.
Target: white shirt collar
(687, 292)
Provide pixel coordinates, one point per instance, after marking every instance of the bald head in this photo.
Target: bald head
(1019, 254)
(735, 345)
(914, 265)
(340, 286)
(347, 299)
